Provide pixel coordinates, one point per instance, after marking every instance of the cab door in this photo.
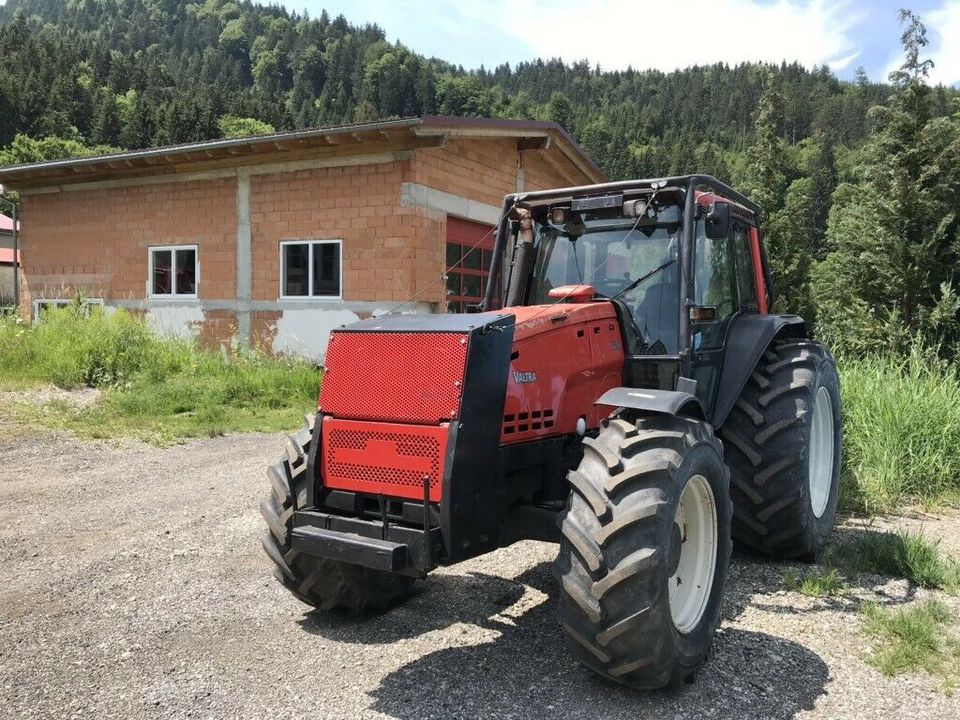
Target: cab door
(725, 286)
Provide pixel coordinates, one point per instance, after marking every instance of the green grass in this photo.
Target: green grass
(903, 555)
(901, 432)
(155, 389)
(912, 639)
(826, 582)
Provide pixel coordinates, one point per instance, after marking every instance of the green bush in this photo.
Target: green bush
(901, 431)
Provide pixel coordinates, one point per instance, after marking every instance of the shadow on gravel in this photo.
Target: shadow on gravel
(437, 603)
(527, 672)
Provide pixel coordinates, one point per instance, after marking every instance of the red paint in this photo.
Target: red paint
(573, 293)
(568, 355)
(394, 377)
(758, 270)
(384, 458)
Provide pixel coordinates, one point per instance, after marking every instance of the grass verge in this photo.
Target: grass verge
(901, 430)
(912, 639)
(154, 389)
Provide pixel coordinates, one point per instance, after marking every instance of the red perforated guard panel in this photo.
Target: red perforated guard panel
(394, 376)
(383, 458)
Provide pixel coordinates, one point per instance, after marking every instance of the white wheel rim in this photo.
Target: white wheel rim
(690, 585)
(820, 462)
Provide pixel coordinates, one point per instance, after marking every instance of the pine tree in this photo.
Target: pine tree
(106, 119)
(894, 234)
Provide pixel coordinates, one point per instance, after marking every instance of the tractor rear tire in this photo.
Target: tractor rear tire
(783, 441)
(624, 552)
(317, 581)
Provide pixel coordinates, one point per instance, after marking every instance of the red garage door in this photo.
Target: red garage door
(467, 281)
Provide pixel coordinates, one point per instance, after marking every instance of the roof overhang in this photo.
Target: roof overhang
(407, 134)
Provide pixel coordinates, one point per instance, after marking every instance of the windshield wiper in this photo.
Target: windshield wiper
(640, 279)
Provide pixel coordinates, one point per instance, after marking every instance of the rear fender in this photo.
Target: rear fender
(748, 338)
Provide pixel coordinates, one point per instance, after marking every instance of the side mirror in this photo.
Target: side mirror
(718, 221)
(703, 314)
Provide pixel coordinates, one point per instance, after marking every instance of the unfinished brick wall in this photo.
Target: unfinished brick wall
(386, 248)
(95, 241)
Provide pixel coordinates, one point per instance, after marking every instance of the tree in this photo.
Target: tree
(893, 234)
(232, 126)
(106, 119)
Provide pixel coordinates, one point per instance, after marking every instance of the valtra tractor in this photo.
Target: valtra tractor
(629, 394)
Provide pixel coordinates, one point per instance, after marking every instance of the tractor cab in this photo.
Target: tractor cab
(678, 258)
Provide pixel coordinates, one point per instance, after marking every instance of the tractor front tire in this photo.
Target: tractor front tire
(317, 581)
(783, 447)
(644, 550)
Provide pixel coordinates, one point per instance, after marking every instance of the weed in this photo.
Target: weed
(819, 583)
(914, 638)
(901, 430)
(156, 389)
(906, 555)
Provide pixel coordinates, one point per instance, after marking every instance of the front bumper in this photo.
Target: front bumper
(372, 544)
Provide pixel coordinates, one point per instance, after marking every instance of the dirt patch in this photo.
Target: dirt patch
(49, 394)
(134, 586)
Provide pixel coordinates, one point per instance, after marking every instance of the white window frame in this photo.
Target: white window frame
(311, 243)
(173, 294)
(63, 302)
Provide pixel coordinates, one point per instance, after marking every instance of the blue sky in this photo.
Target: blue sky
(843, 34)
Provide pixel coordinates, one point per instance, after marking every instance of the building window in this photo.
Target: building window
(41, 305)
(174, 271)
(310, 268)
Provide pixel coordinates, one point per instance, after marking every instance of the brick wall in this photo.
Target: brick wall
(386, 248)
(96, 241)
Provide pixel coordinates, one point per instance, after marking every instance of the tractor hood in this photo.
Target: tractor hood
(536, 320)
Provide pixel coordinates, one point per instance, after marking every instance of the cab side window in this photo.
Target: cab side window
(715, 285)
(746, 280)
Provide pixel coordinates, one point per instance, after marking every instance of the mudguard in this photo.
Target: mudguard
(662, 402)
(747, 339)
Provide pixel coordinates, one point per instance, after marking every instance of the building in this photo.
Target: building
(8, 263)
(277, 239)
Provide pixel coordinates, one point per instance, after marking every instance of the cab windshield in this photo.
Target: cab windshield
(634, 262)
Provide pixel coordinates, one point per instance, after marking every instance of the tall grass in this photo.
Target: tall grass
(901, 431)
(153, 387)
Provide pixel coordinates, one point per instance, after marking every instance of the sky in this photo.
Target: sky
(843, 34)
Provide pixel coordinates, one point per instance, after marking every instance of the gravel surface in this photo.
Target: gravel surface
(132, 585)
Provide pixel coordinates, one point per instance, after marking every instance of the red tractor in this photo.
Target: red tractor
(628, 395)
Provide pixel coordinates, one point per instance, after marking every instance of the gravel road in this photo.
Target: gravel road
(132, 585)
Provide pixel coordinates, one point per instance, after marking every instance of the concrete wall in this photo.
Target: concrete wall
(388, 209)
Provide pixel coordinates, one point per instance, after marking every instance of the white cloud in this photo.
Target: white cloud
(944, 27)
(621, 33)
